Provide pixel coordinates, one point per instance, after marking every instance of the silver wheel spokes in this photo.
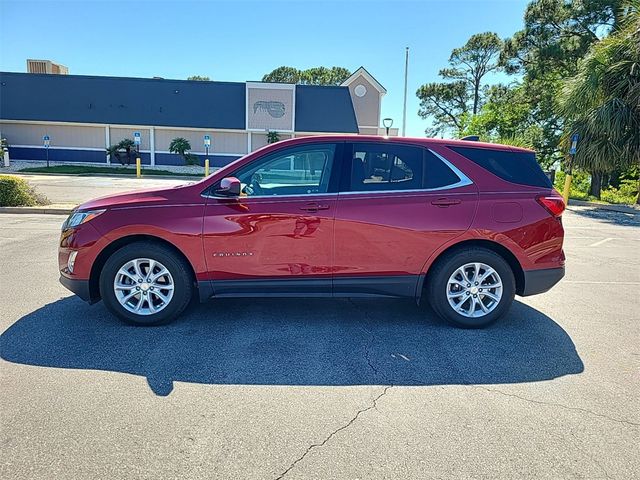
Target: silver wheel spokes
(474, 290)
(143, 286)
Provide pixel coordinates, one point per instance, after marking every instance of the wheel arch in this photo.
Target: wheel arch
(496, 247)
(106, 252)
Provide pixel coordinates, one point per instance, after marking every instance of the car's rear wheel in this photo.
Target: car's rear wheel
(146, 283)
(471, 288)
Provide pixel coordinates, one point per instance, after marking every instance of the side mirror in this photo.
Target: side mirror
(229, 187)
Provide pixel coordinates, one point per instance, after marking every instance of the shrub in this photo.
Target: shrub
(16, 192)
(273, 136)
(626, 194)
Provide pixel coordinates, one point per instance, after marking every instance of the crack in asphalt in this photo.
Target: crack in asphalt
(553, 404)
(336, 431)
(373, 406)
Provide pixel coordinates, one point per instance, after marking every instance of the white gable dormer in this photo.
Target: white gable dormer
(366, 95)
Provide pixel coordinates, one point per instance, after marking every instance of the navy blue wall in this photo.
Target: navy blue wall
(97, 156)
(173, 159)
(67, 155)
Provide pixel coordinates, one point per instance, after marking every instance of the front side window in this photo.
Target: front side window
(299, 170)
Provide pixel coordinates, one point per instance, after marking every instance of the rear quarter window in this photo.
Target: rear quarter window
(515, 167)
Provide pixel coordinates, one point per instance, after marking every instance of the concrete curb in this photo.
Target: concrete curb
(110, 175)
(605, 206)
(48, 210)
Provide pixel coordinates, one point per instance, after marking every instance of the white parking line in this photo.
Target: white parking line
(595, 282)
(597, 244)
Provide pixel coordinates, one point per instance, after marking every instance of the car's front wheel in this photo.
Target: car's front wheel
(146, 283)
(471, 288)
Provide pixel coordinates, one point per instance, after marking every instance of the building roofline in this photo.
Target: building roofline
(109, 77)
(364, 72)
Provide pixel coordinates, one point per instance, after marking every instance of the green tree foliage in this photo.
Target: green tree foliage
(181, 146)
(556, 35)
(311, 76)
(470, 63)
(199, 78)
(602, 102)
(448, 103)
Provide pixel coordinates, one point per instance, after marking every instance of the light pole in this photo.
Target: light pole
(388, 123)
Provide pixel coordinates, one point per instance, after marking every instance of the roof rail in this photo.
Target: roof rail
(471, 138)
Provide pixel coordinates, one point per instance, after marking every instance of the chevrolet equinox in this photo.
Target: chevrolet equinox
(466, 225)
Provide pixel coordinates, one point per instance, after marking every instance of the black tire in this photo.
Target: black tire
(438, 278)
(174, 263)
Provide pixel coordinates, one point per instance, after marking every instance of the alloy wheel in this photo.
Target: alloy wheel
(474, 290)
(143, 286)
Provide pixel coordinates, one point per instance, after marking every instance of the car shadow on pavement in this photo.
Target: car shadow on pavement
(608, 216)
(295, 342)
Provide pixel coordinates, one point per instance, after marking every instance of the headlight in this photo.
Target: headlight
(78, 218)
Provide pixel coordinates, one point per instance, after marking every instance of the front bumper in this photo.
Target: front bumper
(539, 281)
(79, 287)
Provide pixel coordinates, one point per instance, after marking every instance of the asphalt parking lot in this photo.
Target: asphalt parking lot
(324, 388)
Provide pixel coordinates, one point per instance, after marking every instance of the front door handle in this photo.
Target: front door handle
(314, 207)
(445, 202)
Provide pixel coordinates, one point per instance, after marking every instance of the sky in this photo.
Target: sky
(243, 40)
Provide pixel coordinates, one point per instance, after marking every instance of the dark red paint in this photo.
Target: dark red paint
(327, 235)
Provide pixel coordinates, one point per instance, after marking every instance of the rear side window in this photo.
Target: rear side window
(515, 167)
(438, 174)
(377, 167)
(383, 167)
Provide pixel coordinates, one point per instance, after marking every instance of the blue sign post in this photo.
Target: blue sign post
(207, 144)
(46, 140)
(136, 140)
(574, 144)
(569, 167)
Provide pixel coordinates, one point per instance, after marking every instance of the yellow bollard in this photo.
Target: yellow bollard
(567, 188)
(138, 167)
(206, 167)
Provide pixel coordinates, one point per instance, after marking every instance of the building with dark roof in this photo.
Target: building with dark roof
(82, 115)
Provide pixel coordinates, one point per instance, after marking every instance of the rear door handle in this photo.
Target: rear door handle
(314, 207)
(445, 202)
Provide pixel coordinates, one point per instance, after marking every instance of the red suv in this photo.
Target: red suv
(466, 224)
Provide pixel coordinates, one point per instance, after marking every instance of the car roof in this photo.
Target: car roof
(404, 140)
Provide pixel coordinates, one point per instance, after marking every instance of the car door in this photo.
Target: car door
(398, 203)
(276, 238)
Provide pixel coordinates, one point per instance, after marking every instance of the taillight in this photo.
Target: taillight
(552, 204)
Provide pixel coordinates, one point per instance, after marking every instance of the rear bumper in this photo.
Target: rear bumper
(79, 287)
(539, 281)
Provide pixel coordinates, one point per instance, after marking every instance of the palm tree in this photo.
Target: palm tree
(125, 146)
(181, 146)
(602, 102)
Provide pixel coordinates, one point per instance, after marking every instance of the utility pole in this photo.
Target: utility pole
(404, 109)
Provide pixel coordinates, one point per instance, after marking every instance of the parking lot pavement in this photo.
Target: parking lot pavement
(73, 189)
(323, 388)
